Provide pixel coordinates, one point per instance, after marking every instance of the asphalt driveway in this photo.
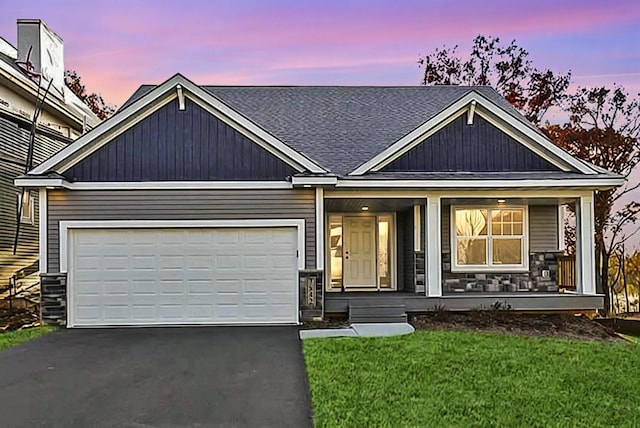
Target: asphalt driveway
(157, 377)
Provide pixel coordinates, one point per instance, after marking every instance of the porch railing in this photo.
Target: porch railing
(567, 272)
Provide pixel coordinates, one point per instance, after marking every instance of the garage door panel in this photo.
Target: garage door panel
(182, 276)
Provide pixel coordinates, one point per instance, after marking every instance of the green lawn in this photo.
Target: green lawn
(13, 338)
(438, 378)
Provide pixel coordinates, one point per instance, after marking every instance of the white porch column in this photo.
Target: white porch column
(320, 236)
(585, 245)
(433, 252)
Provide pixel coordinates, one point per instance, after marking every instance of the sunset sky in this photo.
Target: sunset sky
(117, 45)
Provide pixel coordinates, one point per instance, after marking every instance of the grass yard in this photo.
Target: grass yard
(13, 338)
(449, 378)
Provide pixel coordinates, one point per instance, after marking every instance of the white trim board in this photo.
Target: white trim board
(594, 183)
(320, 228)
(558, 156)
(151, 185)
(152, 101)
(42, 230)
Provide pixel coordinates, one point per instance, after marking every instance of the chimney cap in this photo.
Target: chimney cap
(23, 21)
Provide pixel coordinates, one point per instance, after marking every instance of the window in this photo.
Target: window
(28, 207)
(489, 239)
(384, 251)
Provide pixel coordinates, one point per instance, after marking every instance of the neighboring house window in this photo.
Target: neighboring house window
(489, 238)
(28, 207)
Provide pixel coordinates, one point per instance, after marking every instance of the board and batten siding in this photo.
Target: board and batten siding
(180, 145)
(543, 228)
(179, 205)
(480, 147)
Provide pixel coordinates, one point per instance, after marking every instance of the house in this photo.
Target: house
(63, 118)
(225, 205)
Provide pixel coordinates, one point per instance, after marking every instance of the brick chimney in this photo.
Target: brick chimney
(47, 52)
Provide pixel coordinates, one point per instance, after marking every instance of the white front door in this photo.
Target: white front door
(359, 252)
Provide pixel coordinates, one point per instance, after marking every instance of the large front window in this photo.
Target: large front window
(489, 239)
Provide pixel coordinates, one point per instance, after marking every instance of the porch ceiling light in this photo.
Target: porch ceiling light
(365, 208)
(501, 201)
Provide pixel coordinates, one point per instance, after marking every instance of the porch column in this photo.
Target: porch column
(585, 245)
(433, 252)
(320, 236)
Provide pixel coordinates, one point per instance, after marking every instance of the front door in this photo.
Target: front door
(359, 252)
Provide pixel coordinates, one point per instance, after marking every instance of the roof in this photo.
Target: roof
(337, 131)
(341, 127)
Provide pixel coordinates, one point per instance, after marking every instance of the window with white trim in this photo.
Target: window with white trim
(28, 206)
(489, 238)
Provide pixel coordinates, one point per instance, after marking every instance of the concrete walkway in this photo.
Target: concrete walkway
(360, 330)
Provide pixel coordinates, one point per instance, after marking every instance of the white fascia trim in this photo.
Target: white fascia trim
(465, 103)
(42, 229)
(177, 224)
(481, 184)
(178, 185)
(314, 181)
(152, 185)
(39, 182)
(238, 119)
(532, 193)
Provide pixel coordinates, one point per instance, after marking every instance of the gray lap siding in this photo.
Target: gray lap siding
(179, 205)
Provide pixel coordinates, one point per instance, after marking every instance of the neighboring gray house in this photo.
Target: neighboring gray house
(64, 118)
(235, 205)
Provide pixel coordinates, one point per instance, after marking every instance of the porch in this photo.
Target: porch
(468, 250)
(415, 303)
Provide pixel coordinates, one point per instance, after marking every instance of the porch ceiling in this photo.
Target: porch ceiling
(375, 205)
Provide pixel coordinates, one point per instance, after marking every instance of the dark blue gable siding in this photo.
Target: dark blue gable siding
(480, 147)
(173, 145)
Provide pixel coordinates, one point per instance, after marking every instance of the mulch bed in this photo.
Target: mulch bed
(339, 322)
(538, 325)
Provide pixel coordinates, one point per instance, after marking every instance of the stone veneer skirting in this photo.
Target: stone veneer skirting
(53, 300)
(311, 297)
(542, 277)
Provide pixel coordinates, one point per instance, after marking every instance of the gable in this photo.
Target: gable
(175, 145)
(479, 147)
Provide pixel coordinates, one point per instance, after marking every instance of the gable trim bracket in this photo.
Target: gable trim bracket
(176, 87)
(472, 110)
(180, 94)
(471, 103)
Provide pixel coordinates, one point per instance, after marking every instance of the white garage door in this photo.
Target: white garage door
(182, 276)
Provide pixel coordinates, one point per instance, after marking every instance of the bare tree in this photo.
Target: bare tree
(93, 100)
(604, 129)
(506, 68)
